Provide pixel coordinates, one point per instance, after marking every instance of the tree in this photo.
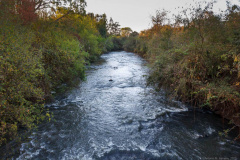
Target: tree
(27, 9)
(160, 18)
(126, 31)
(134, 34)
(78, 6)
(113, 27)
(102, 24)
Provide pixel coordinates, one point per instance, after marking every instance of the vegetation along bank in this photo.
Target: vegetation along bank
(195, 57)
(42, 45)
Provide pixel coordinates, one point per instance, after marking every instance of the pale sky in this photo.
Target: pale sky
(136, 13)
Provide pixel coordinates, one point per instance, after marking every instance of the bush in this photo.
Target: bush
(21, 68)
(198, 61)
(35, 58)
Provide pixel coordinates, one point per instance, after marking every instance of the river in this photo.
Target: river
(114, 116)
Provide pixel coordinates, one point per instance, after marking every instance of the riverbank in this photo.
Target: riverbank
(39, 53)
(196, 59)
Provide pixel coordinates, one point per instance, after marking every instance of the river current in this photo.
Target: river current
(114, 116)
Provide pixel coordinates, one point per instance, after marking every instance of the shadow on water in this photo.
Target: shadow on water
(113, 115)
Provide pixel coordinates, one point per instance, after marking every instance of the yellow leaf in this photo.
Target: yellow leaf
(235, 59)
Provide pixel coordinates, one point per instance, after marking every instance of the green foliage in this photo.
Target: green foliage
(62, 57)
(115, 43)
(109, 44)
(102, 24)
(37, 57)
(130, 44)
(126, 31)
(21, 95)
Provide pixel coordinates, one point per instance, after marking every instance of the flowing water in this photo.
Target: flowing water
(114, 116)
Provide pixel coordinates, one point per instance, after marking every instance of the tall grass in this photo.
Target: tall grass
(197, 58)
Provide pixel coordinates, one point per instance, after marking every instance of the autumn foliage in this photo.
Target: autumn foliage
(26, 10)
(196, 58)
(40, 51)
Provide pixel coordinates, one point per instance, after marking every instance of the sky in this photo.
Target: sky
(136, 14)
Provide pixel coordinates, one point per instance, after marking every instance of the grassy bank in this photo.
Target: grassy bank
(197, 58)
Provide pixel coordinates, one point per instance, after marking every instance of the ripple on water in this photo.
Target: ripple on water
(124, 120)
